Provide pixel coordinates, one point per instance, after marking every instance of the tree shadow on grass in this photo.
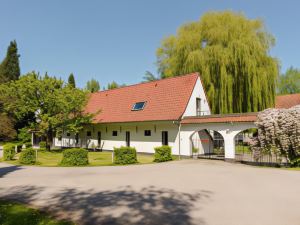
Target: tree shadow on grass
(150, 205)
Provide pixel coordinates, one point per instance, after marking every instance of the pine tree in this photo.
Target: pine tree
(71, 80)
(10, 68)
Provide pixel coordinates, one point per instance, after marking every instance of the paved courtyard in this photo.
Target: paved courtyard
(184, 192)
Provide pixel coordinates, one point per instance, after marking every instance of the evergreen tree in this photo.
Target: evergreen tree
(9, 68)
(231, 53)
(71, 80)
(93, 86)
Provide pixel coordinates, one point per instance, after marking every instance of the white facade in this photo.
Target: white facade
(181, 137)
(142, 143)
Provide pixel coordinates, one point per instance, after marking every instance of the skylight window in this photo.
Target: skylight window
(138, 106)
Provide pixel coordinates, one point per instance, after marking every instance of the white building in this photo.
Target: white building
(172, 111)
(143, 116)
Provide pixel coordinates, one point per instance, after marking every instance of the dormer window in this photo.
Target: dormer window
(138, 106)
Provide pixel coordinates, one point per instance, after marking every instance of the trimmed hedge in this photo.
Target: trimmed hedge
(9, 152)
(125, 155)
(28, 157)
(43, 145)
(75, 157)
(163, 154)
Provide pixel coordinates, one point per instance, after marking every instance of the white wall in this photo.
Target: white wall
(138, 140)
(198, 92)
(227, 130)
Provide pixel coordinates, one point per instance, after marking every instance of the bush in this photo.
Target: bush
(28, 157)
(75, 157)
(43, 145)
(28, 144)
(24, 135)
(125, 155)
(162, 154)
(9, 152)
(295, 162)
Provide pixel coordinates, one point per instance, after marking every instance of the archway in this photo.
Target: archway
(207, 144)
(242, 142)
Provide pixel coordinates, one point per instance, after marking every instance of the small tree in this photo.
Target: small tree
(93, 86)
(56, 106)
(71, 80)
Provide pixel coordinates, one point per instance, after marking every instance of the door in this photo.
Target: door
(165, 138)
(127, 138)
(99, 139)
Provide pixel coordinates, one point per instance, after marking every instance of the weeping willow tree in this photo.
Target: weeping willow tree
(231, 53)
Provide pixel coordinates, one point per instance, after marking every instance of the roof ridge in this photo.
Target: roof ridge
(163, 79)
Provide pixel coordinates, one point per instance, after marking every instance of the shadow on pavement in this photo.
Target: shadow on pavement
(150, 205)
(8, 169)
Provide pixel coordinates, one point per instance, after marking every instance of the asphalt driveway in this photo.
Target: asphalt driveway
(183, 192)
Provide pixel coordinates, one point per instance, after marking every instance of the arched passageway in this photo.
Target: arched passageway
(207, 144)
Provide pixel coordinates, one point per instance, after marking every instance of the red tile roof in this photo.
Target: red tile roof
(165, 100)
(287, 101)
(221, 118)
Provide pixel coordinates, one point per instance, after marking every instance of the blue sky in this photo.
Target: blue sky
(117, 40)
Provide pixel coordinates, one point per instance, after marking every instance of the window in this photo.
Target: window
(138, 106)
(165, 140)
(198, 106)
(68, 134)
(76, 138)
(147, 132)
(88, 133)
(115, 133)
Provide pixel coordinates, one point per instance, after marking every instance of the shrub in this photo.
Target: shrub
(125, 155)
(43, 145)
(75, 157)
(295, 162)
(28, 156)
(24, 135)
(28, 145)
(162, 154)
(8, 152)
(195, 150)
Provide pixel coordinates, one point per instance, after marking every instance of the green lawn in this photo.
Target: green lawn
(19, 214)
(53, 158)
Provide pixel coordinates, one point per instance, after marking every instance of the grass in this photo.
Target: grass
(19, 214)
(53, 158)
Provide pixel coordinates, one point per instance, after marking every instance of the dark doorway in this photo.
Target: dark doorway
(99, 139)
(165, 138)
(127, 138)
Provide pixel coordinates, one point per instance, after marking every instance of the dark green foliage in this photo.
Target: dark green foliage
(43, 145)
(28, 157)
(28, 144)
(9, 68)
(289, 83)
(7, 131)
(295, 162)
(9, 152)
(75, 157)
(162, 154)
(19, 214)
(71, 80)
(23, 135)
(125, 155)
